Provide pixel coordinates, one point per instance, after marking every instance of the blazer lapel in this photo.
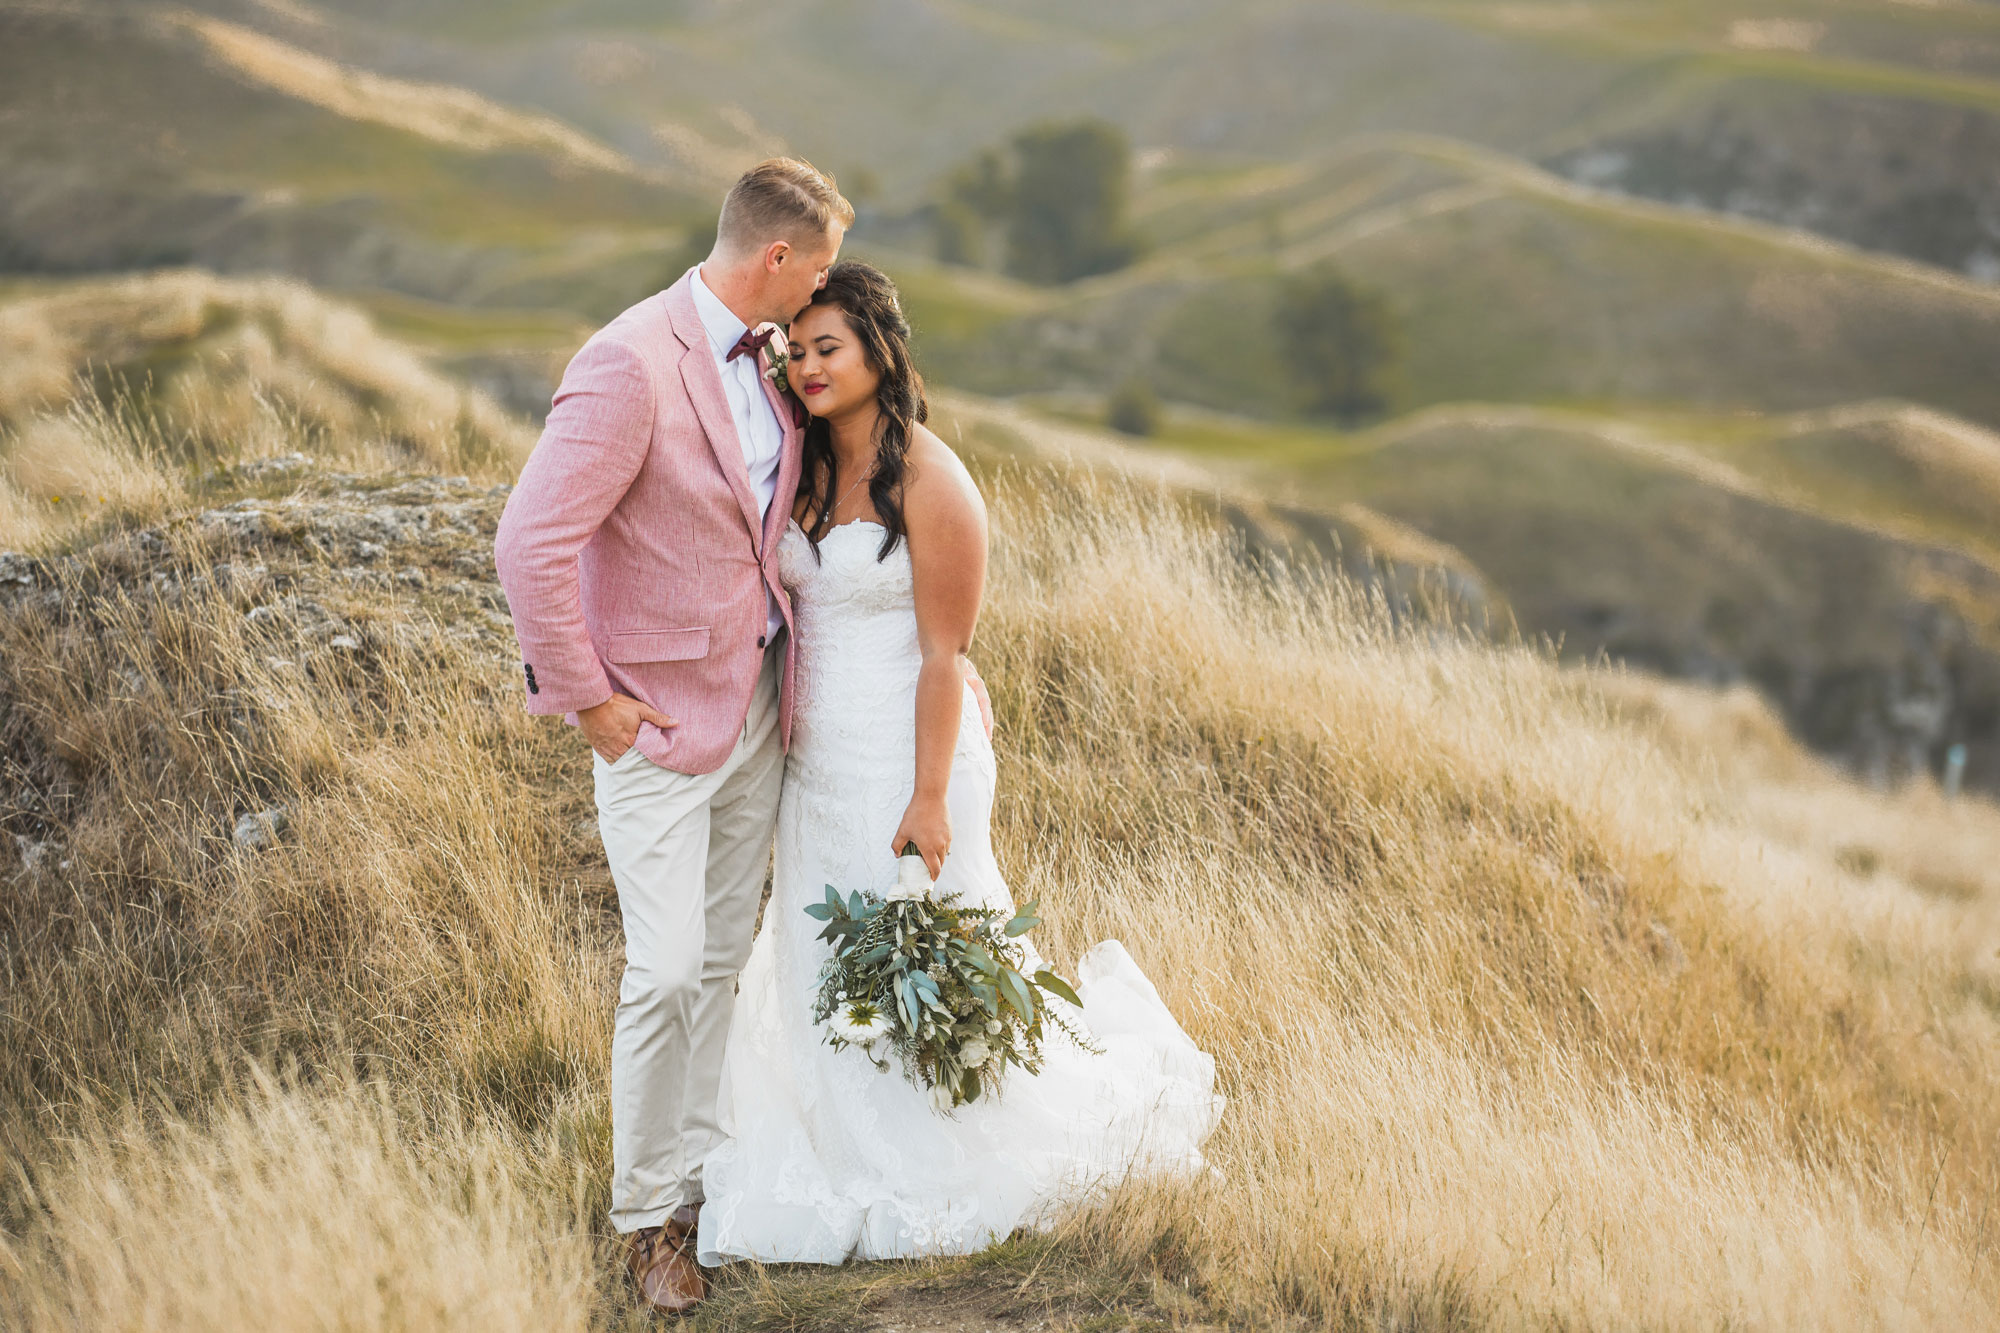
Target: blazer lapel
(711, 404)
(789, 462)
(782, 402)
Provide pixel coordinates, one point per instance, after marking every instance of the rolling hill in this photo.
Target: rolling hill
(1867, 120)
(153, 137)
(1752, 557)
(1509, 283)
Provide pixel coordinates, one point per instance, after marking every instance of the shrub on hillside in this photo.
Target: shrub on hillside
(1133, 409)
(973, 210)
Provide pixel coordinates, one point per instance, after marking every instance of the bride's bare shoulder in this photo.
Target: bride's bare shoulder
(939, 484)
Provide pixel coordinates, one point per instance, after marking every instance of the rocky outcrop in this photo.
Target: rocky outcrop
(312, 584)
(1908, 177)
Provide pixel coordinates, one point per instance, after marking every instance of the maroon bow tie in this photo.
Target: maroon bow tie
(753, 340)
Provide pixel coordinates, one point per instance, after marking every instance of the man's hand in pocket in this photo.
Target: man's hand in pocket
(612, 727)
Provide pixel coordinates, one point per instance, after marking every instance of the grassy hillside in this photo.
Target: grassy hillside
(1541, 996)
(143, 138)
(921, 84)
(1509, 284)
(1866, 120)
(1841, 562)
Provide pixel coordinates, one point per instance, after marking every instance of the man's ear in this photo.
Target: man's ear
(775, 255)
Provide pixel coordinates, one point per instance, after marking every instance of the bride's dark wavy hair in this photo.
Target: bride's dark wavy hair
(864, 294)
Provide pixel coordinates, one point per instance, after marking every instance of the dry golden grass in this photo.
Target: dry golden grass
(1532, 1015)
(117, 395)
(1541, 998)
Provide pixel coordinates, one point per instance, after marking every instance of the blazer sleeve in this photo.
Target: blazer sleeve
(599, 430)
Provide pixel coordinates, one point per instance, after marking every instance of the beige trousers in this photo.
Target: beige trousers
(689, 854)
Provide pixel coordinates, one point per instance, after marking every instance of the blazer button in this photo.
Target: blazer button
(760, 641)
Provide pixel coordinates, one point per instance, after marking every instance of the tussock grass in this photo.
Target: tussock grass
(1542, 997)
(1534, 1015)
(117, 398)
(287, 1212)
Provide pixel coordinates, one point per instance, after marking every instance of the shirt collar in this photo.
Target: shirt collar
(723, 328)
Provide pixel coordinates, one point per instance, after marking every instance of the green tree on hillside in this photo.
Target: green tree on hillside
(976, 200)
(1059, 193)
(1072, 183)
(1344, 342)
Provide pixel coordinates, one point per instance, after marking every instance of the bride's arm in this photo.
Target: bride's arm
(946, 523)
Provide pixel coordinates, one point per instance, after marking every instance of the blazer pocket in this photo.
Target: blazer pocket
(656, 645)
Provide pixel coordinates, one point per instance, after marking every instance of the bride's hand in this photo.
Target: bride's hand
(927, 824)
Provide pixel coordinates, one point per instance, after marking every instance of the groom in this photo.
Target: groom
(639, 557)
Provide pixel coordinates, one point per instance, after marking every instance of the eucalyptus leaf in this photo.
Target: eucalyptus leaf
(1055, 985)
(1015, 992)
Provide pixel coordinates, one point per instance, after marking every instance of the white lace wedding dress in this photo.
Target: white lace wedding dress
(828, 1158)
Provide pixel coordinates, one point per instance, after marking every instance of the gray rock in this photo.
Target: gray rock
(240, 522)
(1666, 950)
(254, 832)
(283, 465)
(31, 852)
(16, 568)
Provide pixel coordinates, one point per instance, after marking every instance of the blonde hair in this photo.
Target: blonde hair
(780, 199)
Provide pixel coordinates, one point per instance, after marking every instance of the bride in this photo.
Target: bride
(826, 1158)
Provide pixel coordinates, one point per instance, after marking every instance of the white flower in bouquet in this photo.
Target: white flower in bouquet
(974, 1053)
(860, 1023)
(942, 1099)
(913, 880)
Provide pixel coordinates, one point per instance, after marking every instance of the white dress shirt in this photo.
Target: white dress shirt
(757, 428)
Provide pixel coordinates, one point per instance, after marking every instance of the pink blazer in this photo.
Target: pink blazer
(631, 550)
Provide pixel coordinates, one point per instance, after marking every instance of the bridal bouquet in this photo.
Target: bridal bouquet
(935, 984)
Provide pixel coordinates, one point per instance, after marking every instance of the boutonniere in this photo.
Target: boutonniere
(778, 359)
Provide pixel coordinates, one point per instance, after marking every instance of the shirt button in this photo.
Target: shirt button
(760, 641)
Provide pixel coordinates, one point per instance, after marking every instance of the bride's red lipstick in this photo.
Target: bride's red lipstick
(814, 388)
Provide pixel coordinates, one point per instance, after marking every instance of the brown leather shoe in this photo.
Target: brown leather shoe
(661, 1261)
